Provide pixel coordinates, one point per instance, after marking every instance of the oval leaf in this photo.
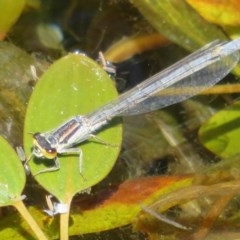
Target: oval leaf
(73, 85)
(12, 177)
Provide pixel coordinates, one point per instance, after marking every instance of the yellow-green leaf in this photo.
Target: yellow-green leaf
(218, 12)
(73, 85)
(220, 134)
(12, 177)
(10, 11)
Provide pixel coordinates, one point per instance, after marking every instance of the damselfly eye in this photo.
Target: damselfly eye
(49, 153)
(51, 150)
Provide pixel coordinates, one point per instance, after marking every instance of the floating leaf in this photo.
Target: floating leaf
(220, 134)
(73, 85)
(12, 177)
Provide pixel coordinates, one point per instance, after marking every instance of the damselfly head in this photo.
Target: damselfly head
(42, 148)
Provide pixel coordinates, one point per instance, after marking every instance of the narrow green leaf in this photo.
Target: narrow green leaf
(73, 85)
(12, 177)
(177, 21)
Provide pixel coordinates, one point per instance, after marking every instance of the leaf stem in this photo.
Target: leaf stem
(19, 205)
(64, 221)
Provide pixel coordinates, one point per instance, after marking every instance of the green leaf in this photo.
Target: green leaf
(11, 12)
(72, 85)
(220, 134)
(12, 177)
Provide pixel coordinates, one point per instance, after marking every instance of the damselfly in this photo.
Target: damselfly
(197, 71)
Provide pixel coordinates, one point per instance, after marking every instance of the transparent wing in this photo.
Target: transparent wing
(187, 87)
(195, 73)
